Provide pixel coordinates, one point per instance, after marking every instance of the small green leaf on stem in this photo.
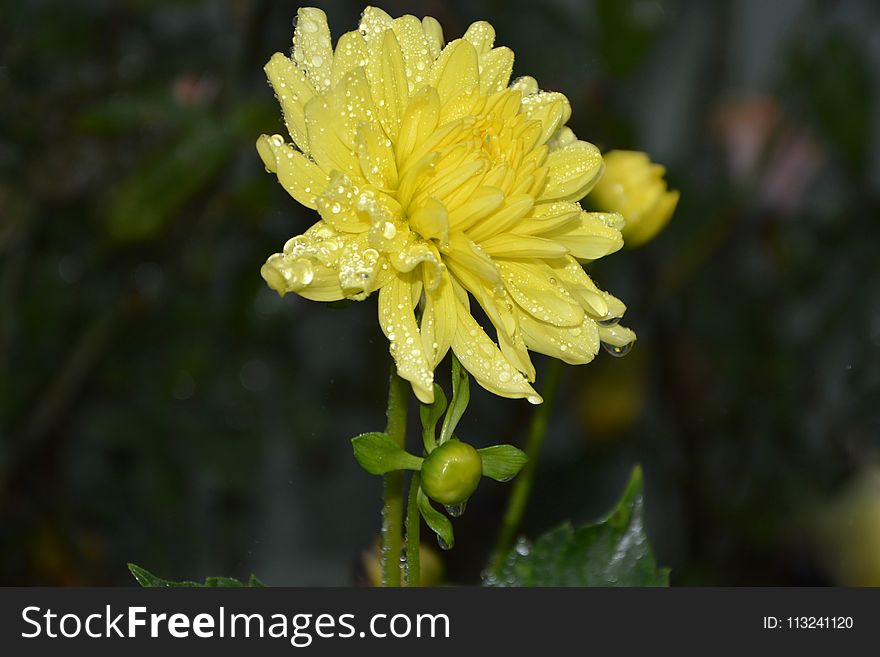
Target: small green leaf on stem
(377, 453)
(430, 415)
(502, 462)
(439, 523)
(461, 396)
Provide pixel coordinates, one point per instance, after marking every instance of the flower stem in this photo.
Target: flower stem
(392, 508)
(522, 485)
(413, 519)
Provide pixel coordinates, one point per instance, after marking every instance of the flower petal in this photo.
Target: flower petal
(312, 50)
(511, 245)
(535, 289)
(301, 177)
(415, 48)
(573, 172)
(350, 53)
(590, 237)
(484, 360)
(456, 70)
(575, 345)
(293, 90)
(439, 320)
(303, 276)
(398, 322)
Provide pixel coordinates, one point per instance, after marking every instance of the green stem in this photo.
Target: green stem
(522, 485)
(413, 520)
(392, 508)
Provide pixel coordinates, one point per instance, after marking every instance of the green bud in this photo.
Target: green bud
(451, 472)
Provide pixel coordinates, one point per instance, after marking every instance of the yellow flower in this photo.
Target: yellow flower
(634, 187)
(439, 183)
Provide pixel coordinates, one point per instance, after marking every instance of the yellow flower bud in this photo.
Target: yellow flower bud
(451, 472)
(633, 186)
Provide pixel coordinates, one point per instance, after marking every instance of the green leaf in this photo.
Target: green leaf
(377, 453)
(148, 580)
(438, 523)
(612, 552)
(461, 396)
(502, 462)
(430, 415)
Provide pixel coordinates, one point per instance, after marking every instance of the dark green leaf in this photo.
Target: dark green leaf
(612, 552)
(439, 523)
(461, 396)
(430, 415)
(377, 453)
(502, 462)
(148, 580)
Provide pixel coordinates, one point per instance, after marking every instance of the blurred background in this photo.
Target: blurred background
(159, 404)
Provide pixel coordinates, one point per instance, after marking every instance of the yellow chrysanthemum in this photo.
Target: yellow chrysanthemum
(633, 186)
(438, 182)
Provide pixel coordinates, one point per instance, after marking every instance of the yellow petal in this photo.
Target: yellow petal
(483, 202)
(303, 276)
(312, 50)
(481, 36)
(573, 172)
(393, 96)
(362, 270)
(398, 322)
(511, 245)
(537, 291)
(484, 360)
(551, 108)
(341, 205)
(350, 53)
(439, 320)
(376, 157)
(431, 221)
(419, 121)
(617, 336)
(327, 139)
(497, 65)
(463, 254)
(293, 90)
(511, 213)
(575, 345)
(590, 237)
(434, 33)
(455, 70)
(415, 48)
(301, 177)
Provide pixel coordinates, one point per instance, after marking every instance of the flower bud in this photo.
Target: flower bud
(633, 186)
(451, 472)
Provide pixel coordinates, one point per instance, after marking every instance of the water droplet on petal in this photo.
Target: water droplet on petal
(609, 321)
(616, 351)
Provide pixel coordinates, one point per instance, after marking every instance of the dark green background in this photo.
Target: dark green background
(159, 404)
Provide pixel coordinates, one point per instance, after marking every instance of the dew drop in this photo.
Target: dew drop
(609, 321)
(455, 510)
(616, 351)
(443, 544)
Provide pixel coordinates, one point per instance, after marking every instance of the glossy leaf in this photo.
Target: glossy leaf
(438, 523)
(377, 453)
(461, 396)
(430, 415)
(502, 462)
(612, 552)
(148, 580)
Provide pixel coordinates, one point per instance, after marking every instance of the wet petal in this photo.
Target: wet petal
(485, 362)
(312, 50)
(398, 321)
(572, 172)
(301, 177)
(439, 320)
